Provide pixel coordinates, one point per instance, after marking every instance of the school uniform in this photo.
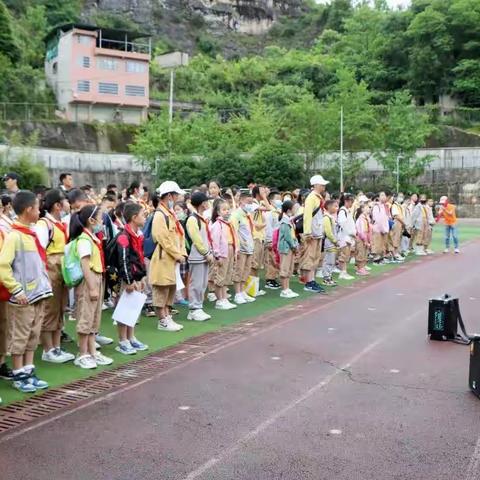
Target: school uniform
(131, 264)
(287, 244)
(199, 234)
(23, 270)
(380, 229)
(346, 234)
(364, 238)
(330, 246)
(3, 315)
(271, 223)
(313, 226)
(243, 225)
(88, 312)
(258, 237)
(224, 245)
(420, 224)
(395, 235)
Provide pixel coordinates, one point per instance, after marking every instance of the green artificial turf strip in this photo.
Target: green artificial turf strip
(147, 332)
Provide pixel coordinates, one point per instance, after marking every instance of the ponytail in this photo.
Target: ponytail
(80, 219)
(286, 206)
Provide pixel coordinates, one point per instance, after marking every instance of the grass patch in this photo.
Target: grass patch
(147, 332)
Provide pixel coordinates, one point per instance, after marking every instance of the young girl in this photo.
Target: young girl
(287, 246)
(89, 293)
(224, 251)
(364, 239)
(53, 236)
(181, 296)
(346, 234)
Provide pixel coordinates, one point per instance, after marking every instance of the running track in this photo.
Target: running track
(345, 390)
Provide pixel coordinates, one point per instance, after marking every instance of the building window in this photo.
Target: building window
(108, 88)
(107, 63)
(135, 91)
(84, 62)
(136, 67)
(83, 86)
(84, 39)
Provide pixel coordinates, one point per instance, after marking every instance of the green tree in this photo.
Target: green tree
(467, 82)
(30, 29)
(8, 46)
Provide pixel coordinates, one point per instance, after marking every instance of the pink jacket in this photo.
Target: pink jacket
(364, 229)
(219, 232)
(380, 218)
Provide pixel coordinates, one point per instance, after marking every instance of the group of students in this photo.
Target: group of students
(181, 247)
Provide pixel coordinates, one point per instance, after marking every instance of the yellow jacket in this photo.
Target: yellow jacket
(312, 225)
(170, 248)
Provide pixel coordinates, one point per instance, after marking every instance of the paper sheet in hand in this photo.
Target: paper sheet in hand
(129, 308)
(178, 278)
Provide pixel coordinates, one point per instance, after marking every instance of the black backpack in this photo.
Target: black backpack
(298, 221)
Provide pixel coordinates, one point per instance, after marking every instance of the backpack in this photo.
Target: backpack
(71, 266)
(275, 241)
(111, 251)
(149, 244)
(188, 240)
(298, 221)
(4, 293)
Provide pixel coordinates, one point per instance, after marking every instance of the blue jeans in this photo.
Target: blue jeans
(451, 229)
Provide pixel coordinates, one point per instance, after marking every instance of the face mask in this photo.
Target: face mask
(171, 204)
(182, 216)
(277, 204)
(97, 228)
(400, 199)
(287, 198)
(226, 217)
(248, 208)
(63, 214)
(423, 202)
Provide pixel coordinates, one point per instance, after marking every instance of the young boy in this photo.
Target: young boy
(447, 212)
(272, 223)
(23, 273)
(331, 242)
(420, 225)
(132, 270)
(243, 224)
(200, 257)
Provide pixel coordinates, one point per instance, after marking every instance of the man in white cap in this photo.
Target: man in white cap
(169, 237)
(449, 216)
(313, 233)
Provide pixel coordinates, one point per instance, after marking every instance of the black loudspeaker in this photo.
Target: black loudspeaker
(443, 315)
(474, 375)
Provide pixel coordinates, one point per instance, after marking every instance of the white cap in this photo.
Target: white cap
(363, 198)
(169, 187)
(318, 180)
(443, 199)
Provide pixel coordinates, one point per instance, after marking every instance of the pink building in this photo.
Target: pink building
(99, 74)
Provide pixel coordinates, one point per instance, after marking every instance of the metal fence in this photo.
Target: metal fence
(19, 111)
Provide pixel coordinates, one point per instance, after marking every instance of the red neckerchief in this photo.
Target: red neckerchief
(98, 243)
(322, 201)
(232, 233)
(178, 225)
(61, 226)
(28, 231)
(207, 228)
(136, 242)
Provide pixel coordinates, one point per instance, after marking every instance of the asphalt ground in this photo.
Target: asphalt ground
(346, 389)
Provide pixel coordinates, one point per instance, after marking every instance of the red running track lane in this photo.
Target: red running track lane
(351, 390)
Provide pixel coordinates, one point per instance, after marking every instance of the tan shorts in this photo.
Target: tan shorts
(163, 295)
(344, 254)
(271, 268)
(428, 236)
(24, 326)
(312, 255)
(258, 252)
(421, 236)
(395, 235)
(287, 262)
(89, 312)
(3, 329)
(223, 269)
(55, 306)
(242, 268)
(361, 252)
(379, 243)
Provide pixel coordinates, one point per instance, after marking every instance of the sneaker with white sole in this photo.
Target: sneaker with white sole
(101, 340)
(457, 250)
(224, 305)
(168, 325)
(36, 382)
(138, 345)
(231, 305)
(85, 361)
(288, 294)
(447, 250)
(198, 315)
(261, 293)
(239, 299)
(125, 348)
(57, 356)
(21, 383)
(345, 276)
(212, 297)
(248, 298)
(101, 359)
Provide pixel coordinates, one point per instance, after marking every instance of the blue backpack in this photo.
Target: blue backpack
(149, 244)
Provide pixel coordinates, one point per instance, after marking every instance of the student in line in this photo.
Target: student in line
(331, 242)
(224, 246)
(271, 224)
(346, 235)
(364, 239)
(287, 246)
(420, 225)
(84, 226)
(260, 206)
(53, 237)
(380, 228)
(200, 258)
(395, 235)
(23, 272)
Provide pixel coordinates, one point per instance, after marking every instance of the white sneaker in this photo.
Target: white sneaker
(420, 253)
(248, 298)
(102, 359)
(261, 293)
(86, 362)
(224, 305)
(231, 305)
(345, 276)
(212, 297)
(97, 345)
(288, 294)
(125, 348)
(101, 340)
(429, 252)
(447, 250)
(319, 273)
(167, 324)
(56, 355)
(239, 299)
(457, 250)
(198, 315)
(337, 270)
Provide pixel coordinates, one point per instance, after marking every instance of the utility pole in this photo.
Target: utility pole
(341, 149)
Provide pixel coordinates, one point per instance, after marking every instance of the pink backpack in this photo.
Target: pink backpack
(275, 238)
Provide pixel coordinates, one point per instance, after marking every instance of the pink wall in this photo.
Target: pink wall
(95, 74)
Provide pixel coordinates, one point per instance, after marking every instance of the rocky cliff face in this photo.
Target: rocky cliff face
(181, 23)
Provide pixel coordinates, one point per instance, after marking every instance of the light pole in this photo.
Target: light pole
(398, 173)
(341, 149)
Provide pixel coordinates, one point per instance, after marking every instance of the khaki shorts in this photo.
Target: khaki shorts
(344, 254)
(361, 253)
(163, 295)
(258, 253)
(287, 262)
(242, 268)
(395, 235)
(3, 329)
(223, 269)
(379, 243)
(55, 306)
(89, 312)
(428, 236)
(271, 268)
(24, 326)
(421, 236)
(312, 255)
